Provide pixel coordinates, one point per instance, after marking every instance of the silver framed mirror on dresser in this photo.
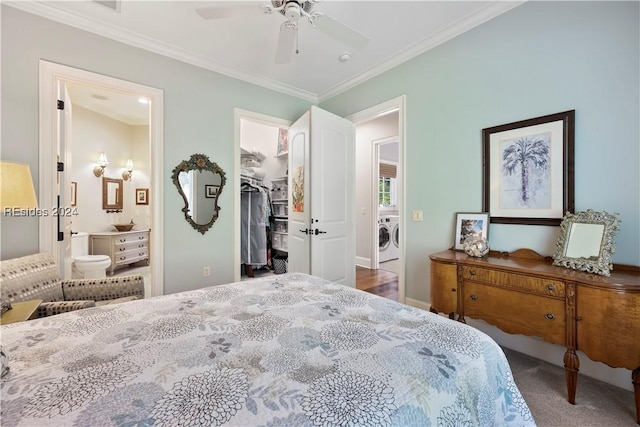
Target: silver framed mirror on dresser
(587, 241)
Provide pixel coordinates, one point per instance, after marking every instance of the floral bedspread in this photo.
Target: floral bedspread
(288, 350)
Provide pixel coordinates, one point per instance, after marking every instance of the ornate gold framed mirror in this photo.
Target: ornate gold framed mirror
(587, 241)
(200, 182)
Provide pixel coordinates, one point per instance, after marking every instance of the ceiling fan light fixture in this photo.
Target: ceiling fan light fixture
(292, 11)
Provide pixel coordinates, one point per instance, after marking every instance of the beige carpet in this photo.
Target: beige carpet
(544, 389)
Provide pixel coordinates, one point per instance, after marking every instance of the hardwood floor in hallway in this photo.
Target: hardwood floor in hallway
(378, 282)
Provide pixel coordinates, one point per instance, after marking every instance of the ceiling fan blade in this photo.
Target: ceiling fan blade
(340, 32)
(286, 41)
(219, 12)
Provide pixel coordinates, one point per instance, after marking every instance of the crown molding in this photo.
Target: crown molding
(155, 46)
(465, 24)
(473, 20)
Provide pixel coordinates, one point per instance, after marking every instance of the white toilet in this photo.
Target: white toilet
(87, 266)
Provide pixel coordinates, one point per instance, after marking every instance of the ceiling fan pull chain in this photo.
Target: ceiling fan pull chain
(297, 40)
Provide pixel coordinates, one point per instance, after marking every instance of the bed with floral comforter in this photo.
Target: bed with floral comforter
(287, 350)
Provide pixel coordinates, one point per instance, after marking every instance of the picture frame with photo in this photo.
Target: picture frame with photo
(142, 196)
(283, 142)
(470, 224)
(211, 191)
(528, 170)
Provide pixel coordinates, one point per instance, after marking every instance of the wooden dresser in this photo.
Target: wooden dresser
(523, 293)
(123, 247)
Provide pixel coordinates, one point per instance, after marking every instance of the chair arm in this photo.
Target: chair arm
(57, 307)
(105, 288)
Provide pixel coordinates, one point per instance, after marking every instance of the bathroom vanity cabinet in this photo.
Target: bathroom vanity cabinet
(523, 293)
(123, 247)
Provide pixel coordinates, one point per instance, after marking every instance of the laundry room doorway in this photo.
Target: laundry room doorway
(385, 167)
(380, 130)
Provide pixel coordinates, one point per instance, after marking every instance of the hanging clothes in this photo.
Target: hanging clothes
(255, 208)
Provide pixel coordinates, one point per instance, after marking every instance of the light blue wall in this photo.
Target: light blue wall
(198, 118)
(539, 58)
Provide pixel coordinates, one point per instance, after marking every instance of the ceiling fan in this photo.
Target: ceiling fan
(293, 10)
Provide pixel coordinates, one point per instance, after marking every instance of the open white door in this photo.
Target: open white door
(299, 205)
(321, 212)
(65, 209)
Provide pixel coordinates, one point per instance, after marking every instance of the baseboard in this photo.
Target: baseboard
(363, 262)
(417, 303)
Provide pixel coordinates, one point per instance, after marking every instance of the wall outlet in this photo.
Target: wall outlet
(417, 215)
(206, 272)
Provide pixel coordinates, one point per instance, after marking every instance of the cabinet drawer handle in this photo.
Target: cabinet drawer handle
(474, 297)
(550, 287)
(140, 237)
(549, 316)
(472, 272)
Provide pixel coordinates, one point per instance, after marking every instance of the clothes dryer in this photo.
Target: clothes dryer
(389, 249)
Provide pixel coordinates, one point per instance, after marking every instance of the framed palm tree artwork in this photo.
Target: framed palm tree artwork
(528, 170)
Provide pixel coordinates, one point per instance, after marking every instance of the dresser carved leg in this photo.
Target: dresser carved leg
(461, 319)
(635, 378)
(571, 365)
(433, 310)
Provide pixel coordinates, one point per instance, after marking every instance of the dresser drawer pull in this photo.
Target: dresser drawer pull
(549, 316)
(474, 297)
(550, 287)
(472, 272)
(122, 249)
(140, 237)
(122, 240)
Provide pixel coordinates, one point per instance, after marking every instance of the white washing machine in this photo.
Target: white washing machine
(387, 232)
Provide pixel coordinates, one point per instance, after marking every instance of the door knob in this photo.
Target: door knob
(316, 232)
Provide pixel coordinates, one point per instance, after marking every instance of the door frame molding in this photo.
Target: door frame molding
(238, 115)
(375, 208)
(50, 74)
(400, 104)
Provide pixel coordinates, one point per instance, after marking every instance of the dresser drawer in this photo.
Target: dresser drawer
(123, 247)
(130, 238)
(539, 285)
(132, 256)
(516, 312)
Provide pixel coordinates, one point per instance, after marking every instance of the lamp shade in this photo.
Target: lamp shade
(16, 186)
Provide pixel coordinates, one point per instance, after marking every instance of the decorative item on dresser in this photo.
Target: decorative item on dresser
(587, 240)
(124, 247)
(523, 293)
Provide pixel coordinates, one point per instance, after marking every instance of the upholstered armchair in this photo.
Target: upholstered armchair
(36, 277)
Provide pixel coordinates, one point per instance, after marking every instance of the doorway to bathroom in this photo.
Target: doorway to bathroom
(106, 138)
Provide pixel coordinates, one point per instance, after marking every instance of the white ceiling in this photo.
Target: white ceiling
(244, 47)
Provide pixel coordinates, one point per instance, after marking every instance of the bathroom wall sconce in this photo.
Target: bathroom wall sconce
(126, 175)
(98, 171)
